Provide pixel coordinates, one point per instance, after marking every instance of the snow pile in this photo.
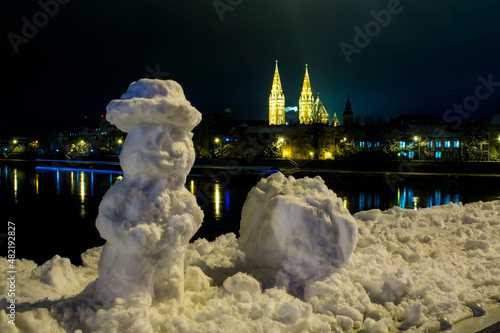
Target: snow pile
(411, 269)
(295, 230)
(149, 216)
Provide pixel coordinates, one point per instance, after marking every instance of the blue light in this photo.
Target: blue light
(77, 170)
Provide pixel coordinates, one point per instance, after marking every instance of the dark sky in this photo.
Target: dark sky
(86, 53)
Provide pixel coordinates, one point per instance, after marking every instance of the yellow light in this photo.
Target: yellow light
(311, 153)
(120, 141)
(345, 139)
(14, 141)
(415, 138)
(499, 138)
(281, 139)
(329, 154)
(217, 140)
(82, 141)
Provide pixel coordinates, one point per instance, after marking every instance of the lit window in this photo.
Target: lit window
(402, 144)
(410, 144)
(376, 144)
(438, 144)
(447, 144)
(429, 144)
(362, 144)
(411, 154)
(438, 154)
(368, 145)
(456, 144)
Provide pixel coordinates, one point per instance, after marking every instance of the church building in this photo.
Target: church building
(311, 111)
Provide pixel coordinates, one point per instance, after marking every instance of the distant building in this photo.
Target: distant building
(348, 115)
(310, 111)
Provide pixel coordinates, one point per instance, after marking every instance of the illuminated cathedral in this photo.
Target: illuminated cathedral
(311, 111)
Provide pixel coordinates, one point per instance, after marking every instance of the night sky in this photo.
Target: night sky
(423, 58)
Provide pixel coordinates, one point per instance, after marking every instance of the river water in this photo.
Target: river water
(55, 210)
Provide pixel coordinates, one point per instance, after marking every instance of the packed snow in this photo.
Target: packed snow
(302, 262)
(149, 216)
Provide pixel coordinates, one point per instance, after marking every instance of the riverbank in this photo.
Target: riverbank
(212, 166)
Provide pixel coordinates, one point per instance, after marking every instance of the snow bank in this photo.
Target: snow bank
(296, 230)
(411, 270)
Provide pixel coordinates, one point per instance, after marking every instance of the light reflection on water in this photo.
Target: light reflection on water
(216, 197)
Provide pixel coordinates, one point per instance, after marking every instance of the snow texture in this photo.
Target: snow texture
(410, 270)
(149, 217)
(296, 230)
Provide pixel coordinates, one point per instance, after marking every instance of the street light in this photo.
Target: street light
(418, 143)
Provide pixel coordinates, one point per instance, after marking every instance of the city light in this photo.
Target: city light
(120, 141)
(14, 141)
(217, 140)
(281, 139)
(415, 138)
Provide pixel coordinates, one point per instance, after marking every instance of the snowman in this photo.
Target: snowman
(148, 217)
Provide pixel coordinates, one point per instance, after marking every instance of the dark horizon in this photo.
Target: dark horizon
(68, 59)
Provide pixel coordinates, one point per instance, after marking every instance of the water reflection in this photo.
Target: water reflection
(220, 200)
(15, 185)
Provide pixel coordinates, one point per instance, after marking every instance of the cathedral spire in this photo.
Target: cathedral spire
(306, 100)
(306, 86)
(276, 100)
(276, 79)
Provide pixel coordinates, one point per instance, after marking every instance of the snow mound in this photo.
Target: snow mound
(298, 229)
(413, 274)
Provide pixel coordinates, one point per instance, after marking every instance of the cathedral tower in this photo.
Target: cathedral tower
(306, 101)
(348, 115)
(276, 101)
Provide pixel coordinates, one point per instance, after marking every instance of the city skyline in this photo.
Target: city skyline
(67, 60)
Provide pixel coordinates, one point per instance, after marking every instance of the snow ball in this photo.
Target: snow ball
(299, 228)
(149, 101)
